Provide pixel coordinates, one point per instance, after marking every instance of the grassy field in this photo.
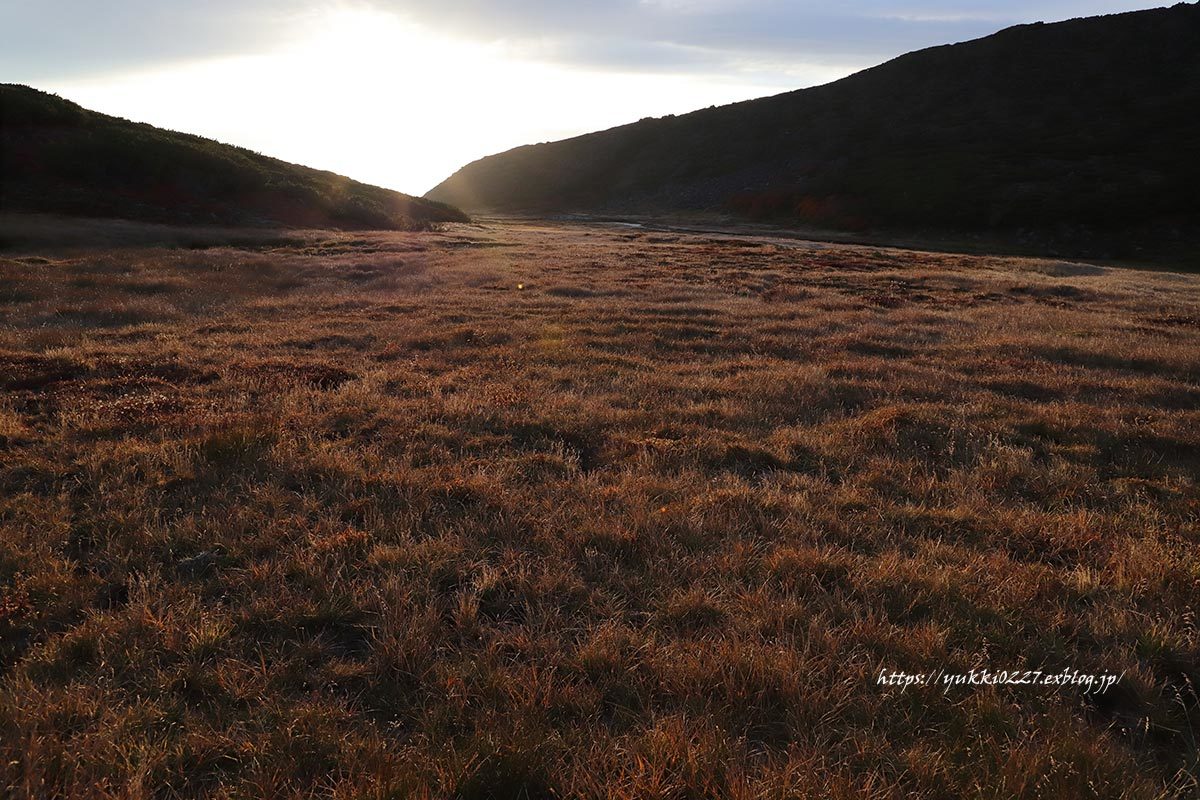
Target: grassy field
(518, 510)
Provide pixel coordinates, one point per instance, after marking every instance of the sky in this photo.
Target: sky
(401, 93)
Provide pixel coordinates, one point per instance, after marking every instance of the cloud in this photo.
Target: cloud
(40, 38)
(75, 37)
(716, 35)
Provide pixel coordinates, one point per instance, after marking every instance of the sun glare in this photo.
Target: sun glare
(367, 94)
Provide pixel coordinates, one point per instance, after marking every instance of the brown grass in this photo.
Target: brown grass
(355, 516)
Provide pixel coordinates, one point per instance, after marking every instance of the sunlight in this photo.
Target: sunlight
(366, 94)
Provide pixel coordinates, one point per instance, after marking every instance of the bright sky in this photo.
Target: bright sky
(401, 93)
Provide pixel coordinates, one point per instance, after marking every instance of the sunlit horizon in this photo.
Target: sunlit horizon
(365, 94)
(402, 93)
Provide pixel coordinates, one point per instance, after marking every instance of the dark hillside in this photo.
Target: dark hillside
(57, 157)
(1083, 133)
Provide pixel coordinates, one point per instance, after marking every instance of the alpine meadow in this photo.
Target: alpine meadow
(839, 444)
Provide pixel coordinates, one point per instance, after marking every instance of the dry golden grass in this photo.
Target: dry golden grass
(534, 510)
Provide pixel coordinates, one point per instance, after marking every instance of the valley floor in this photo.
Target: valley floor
(555, 510)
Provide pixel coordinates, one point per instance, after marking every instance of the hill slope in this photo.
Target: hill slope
(1066, 131)
(57, 157)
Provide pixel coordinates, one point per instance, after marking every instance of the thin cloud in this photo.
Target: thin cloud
(710, 35)
(58, 38)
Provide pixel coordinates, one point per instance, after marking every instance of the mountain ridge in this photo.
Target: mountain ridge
(1083, 133)
(58, 157)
